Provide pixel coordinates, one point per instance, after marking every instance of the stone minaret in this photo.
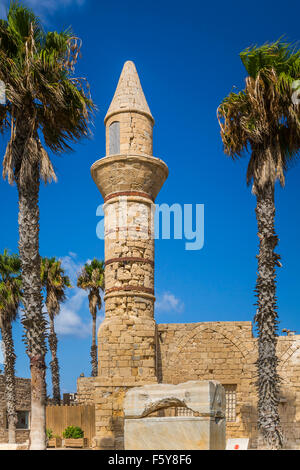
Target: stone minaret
(129, 179)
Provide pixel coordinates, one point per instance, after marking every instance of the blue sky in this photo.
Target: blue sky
(187, 57)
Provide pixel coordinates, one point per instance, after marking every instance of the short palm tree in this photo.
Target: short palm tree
(91, 279)
(10, 297)
(46, 107)
(263, 120)
(55, 283)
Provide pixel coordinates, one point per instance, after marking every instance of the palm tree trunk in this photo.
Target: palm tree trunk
(38, 404)
(33, 321)
(10, 382)
(54, 363)
(94, 360)
(266, 319)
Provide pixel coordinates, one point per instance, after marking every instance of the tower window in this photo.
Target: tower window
(114, 138)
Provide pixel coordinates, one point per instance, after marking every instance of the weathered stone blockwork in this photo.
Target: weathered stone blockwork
(226, 352)
(132, 349)
(136, 133)
(85, 391)
(204, 430)
(23, 396)
(129, 183)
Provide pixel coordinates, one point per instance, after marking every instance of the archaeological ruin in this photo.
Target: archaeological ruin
(132, 349)
(135, 351)
(23, 389)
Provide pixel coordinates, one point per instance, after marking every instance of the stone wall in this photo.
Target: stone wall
(226, 352)
(126, 346)
(23, 404)
(222, 351)
(85, 391)
(129, 183)
(135, 133)
(132, 349)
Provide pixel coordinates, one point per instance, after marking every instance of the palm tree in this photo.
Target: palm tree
(55, 283)
(46, 107)
(263, 121)
(10, 296)
(92, 280)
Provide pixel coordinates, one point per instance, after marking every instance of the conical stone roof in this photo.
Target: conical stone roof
(129, 95)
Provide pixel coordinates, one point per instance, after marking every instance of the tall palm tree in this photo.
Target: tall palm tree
(10, 297)
(46, 107)
(91, 279)
(263, 121)
(55, 282)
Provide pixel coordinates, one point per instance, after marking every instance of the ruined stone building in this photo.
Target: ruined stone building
(132, 349)
(23, 390)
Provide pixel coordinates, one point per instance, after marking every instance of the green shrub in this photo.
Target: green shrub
(73, 432)
(49, 433)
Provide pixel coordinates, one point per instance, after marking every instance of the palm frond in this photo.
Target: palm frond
(38, 71)
(55, 282)
(92, 275)
(262, 119)
(10, 287)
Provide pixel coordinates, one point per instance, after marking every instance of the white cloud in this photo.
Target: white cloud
(72, 266)
(73, 319)
(69, 321)
(169, 302)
